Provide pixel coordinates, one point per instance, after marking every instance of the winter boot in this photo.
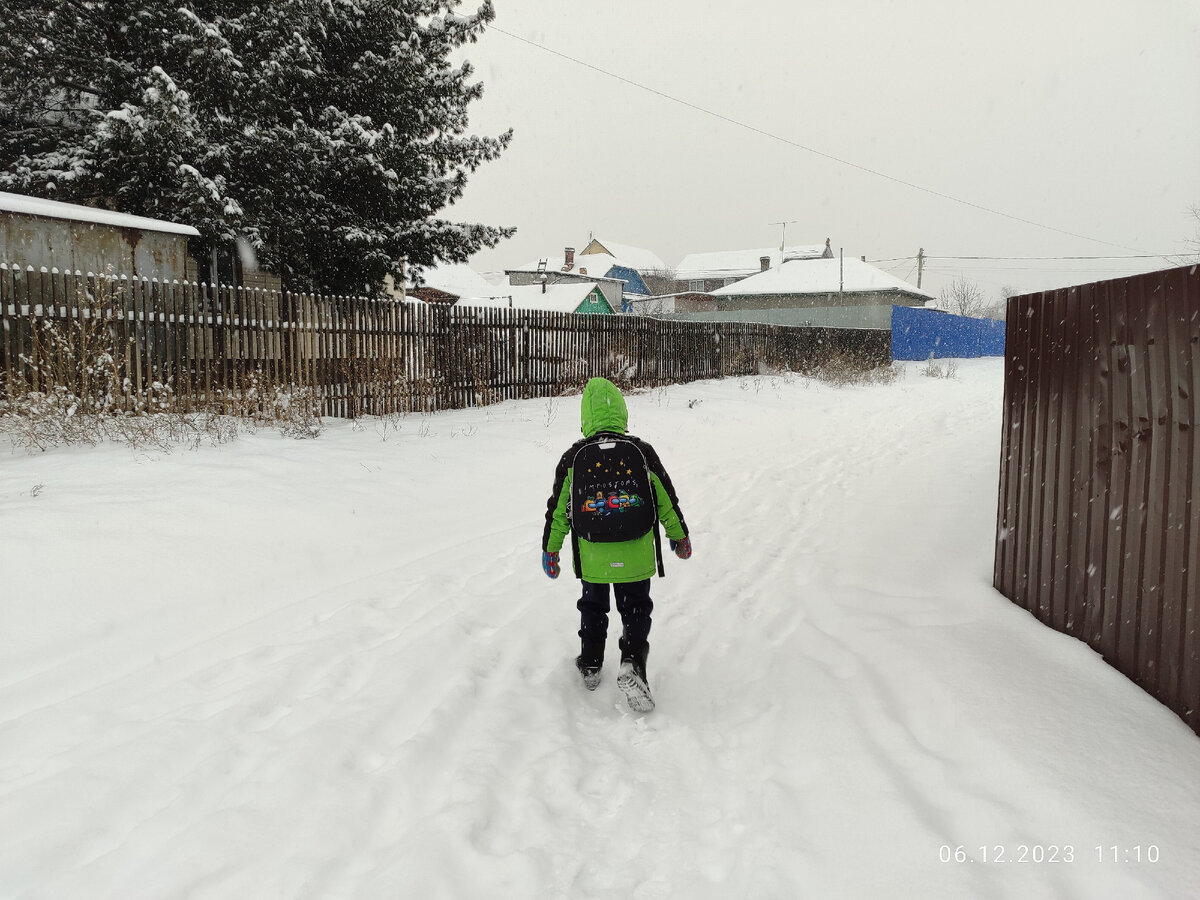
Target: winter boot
(589, 661)
(632, 677)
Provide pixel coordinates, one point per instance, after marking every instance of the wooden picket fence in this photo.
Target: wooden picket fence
(187, 346)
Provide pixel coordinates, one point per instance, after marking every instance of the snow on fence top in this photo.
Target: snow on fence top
(55, 209)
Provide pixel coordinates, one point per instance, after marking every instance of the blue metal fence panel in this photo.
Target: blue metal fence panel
(930, 333)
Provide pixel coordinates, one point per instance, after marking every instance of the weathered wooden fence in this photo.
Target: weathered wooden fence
(197, 346)
(1099, 509)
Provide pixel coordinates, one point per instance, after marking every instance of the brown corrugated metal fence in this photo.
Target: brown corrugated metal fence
(1099, 508)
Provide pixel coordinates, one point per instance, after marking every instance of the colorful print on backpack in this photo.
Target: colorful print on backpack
(613, 503)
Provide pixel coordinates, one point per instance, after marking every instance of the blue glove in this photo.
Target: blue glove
(683, 547)
(550, 564)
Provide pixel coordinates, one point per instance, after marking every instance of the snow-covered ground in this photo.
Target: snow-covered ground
(334, 669)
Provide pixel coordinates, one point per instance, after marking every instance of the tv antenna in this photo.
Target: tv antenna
(783, 237)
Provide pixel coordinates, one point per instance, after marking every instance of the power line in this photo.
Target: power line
(1028, 269)
(1134, 256)
(796, 144)
(990, 258)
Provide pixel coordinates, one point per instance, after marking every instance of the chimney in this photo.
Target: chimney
(764, 263)
(828, 250)
(582, 270)
(570, 255)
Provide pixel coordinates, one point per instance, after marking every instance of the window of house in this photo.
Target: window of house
(696, 285)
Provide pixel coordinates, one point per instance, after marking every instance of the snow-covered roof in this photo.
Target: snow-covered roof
(56, 209)
(630, 257)
(458, 279)
(563, 297)
(740, 263)
(598, 263)
(595, 265)
(818, 276)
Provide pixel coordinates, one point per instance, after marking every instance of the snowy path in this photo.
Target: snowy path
(333, 669)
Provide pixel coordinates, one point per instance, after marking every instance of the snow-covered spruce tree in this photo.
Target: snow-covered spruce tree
(329, 133)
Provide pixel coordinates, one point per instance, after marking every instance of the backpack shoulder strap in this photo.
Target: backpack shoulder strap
(653, 466)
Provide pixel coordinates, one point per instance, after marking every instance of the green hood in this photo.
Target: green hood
(603, 408)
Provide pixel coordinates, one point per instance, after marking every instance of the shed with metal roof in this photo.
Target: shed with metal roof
(68, 236)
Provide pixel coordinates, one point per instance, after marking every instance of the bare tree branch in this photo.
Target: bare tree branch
(963, 298)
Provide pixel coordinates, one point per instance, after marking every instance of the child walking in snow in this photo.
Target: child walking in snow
(610, 494)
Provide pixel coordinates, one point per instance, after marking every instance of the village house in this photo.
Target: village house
(703, 272)
(637, 267)
(461, 286)
(582, 298)
(636, 258)
(612, 289)
(834, 293)
(598, 262)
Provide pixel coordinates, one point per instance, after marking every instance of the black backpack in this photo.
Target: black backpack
(612, 498)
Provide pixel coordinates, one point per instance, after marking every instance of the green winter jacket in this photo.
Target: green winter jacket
(603, 411)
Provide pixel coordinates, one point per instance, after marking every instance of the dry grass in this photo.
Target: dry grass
(935, 370)
(849, 369)
(70, 390)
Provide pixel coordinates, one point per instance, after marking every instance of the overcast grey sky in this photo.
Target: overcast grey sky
(1079, 115)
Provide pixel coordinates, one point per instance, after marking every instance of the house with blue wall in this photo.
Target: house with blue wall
(630, 264)
(599, 265)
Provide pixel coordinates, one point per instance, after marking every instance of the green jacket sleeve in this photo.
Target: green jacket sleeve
(558, 525)
(667, 514)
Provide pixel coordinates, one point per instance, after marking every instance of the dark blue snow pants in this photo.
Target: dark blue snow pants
(633, 604)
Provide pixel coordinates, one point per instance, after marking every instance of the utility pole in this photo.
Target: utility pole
(783, 238)
(920, 264)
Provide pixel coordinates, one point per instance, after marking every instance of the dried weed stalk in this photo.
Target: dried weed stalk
(72, 387)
